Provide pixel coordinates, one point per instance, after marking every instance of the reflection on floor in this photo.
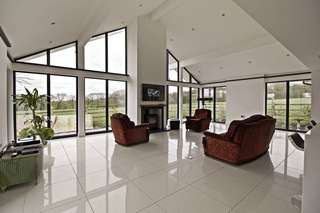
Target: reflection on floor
(169, 174)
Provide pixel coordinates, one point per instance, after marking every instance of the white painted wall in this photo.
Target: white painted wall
(3, 93)
(245, 98)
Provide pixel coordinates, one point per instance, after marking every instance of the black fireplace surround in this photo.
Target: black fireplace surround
(154, 115)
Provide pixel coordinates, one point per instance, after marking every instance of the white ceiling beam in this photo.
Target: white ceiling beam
(165, 8)
(234, 49)
(95, 17)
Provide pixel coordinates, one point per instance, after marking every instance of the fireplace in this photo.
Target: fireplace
(153, 114)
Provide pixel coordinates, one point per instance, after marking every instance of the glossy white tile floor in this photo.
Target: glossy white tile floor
(93, 174)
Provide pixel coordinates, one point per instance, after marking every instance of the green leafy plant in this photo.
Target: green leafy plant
(35, 126)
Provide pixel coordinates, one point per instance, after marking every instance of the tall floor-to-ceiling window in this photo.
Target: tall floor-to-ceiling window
(194, 100)
(215, 99)
(186, 99)
(59, 107)
(96, 105)
(290, 103)
(117, 100)
(173, 102)
(63, 103)
(220, 105)
(28, 81)
(116, 43)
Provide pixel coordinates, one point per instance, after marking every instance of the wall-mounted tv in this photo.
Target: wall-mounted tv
(152, 92)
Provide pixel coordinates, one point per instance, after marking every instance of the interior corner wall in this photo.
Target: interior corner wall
(3, 94)
(315, 114)
(133, 81)
(245, 98)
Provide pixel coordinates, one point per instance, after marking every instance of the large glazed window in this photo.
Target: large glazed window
(116, 98)
(194, 100)
(173, 67)
(186, 76)
(95, 54)
(39, 58)
(64, 56)
(299, 105)
(208, 94)
(220, 104)
(117, 51)
(276, 103)
(173, 102)
(63, 95)
(95, 100)
(29, 81)
(186, 101)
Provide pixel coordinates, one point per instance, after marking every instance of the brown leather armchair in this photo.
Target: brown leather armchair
(126, 132)
(245, 140)
(200, 121)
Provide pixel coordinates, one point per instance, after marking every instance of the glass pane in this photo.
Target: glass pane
(95, 54)
(63, 104)
(208, 94)
(186, 102)
(220, 104)
(95, 92)
(116, 98)
(40, 58)
(300, 105)
(29, 81)
(64, 56)
(194, 80)
(194, 100)
(173, 68)
(173, 100)
(185, 76)
(276, 103)
(117, 52)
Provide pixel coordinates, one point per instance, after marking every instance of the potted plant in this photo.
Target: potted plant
(36, 125)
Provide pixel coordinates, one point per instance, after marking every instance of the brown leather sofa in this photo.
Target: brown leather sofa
(126, 132)
(200, 121)
(245, 140)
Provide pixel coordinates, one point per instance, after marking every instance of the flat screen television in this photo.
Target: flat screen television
(152, 92)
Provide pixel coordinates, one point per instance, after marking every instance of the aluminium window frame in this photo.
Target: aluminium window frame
(287, 95)
(214, 105)
(48, 91)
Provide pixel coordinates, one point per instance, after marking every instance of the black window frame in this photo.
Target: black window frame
(48, 103)
(214, 100)
(47, 51)
(168, 54)
(178, 101)
(287, 95)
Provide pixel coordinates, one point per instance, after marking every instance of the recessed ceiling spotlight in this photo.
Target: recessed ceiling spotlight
(249, 62)
(288, 54)
(221, 68)
(171, 40)
(141, 5)
(50, 42)
(53, 23)
(193, 29)
(223, 14)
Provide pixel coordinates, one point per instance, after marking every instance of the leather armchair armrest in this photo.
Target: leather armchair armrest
(217, 136)
(144, 125)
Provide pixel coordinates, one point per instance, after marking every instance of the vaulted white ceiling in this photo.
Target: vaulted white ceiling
(215, 39)
(28, 23)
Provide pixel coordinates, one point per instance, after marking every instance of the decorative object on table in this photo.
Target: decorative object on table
(35, 126)
(20, 164)
(126, 132)
(245, 140)
(200, 121)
